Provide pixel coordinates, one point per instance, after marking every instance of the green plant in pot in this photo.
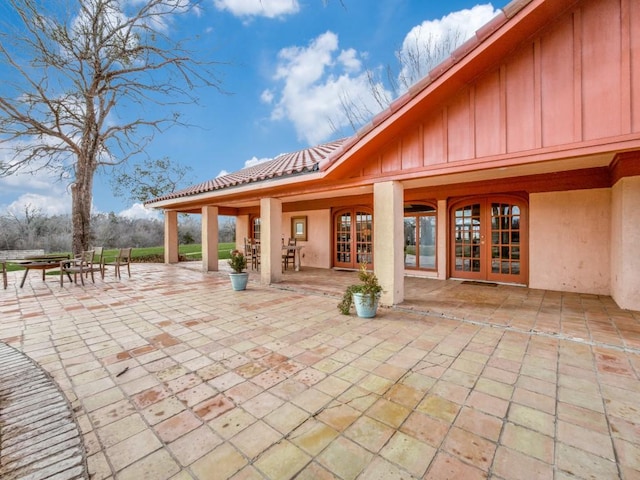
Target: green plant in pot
(364, 295)
(238, 263)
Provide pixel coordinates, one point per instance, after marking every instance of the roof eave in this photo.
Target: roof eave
(256, 188)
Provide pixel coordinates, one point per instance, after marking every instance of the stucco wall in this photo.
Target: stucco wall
(570, 241)
(317, 248)
(625, 251)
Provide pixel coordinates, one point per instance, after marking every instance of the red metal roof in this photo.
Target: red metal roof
(286, 164)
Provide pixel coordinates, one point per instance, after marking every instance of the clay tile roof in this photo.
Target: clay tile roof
(286, 164)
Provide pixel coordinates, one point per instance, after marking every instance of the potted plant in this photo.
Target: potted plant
(364, 295)
(239, 277)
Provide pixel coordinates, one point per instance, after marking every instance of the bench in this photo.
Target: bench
(20, 254)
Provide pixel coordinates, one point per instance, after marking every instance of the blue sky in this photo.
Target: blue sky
(284, 64)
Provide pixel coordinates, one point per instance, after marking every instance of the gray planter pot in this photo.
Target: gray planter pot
(239, 280)
(366, 307)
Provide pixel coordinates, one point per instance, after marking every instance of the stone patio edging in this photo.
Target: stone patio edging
(39, 437)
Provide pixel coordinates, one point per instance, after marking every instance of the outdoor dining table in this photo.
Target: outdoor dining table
(44, 263)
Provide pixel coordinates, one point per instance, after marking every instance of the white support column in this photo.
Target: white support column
(270, 240)
(242, 231)
(625, 238)
(388, 240)
(441, 241)
(209, 239)
(170, 236)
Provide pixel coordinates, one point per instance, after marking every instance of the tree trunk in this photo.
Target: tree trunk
(81, 199)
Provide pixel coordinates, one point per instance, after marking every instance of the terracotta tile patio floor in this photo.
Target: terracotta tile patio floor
(172, 375)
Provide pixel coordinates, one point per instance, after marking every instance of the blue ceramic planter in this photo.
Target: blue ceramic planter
(365, 306)
(239, 280)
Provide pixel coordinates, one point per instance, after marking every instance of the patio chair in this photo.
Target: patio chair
(98, 258)
(248, 251)
(289, 255)
(255, 255)
(79, 265)
(122, 259)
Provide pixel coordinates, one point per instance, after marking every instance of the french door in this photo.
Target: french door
(353, 237)
(489, 240)
(420, 235)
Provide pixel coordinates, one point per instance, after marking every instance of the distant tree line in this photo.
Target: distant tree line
(33, 230)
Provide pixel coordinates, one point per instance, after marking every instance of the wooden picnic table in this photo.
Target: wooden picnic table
(41, 262)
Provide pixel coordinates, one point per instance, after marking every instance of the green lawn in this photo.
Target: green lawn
(187, 252)
(156, 254)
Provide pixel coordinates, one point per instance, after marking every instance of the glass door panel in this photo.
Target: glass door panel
(505, 240)
(410, 242)
(364, 238)
(467, 241)
(427, 244)
(343, 240)
(353, 238)
(420, 236)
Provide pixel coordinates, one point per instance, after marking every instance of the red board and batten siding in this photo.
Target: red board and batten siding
(565, 90)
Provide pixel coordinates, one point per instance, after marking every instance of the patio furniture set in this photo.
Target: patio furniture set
(83, 264)
(290, 253)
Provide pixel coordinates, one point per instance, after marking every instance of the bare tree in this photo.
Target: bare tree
(78, 82)
(150, 179)
(420, 53)
(227, 231)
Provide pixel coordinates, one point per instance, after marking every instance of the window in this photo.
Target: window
(255, 228)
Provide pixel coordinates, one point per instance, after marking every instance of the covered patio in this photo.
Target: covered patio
(505, 163)
(172, 375)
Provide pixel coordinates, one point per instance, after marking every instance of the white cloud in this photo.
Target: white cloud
(59, 203)
(255, 161)
(258, 8)
(433, 40)
(222, 173)
(315, 80)
(138, 210)
(349, 58)
(21, 182)
(39, 189)
(47, 205)
(161, 16)
(318, 80)
(267, 97)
